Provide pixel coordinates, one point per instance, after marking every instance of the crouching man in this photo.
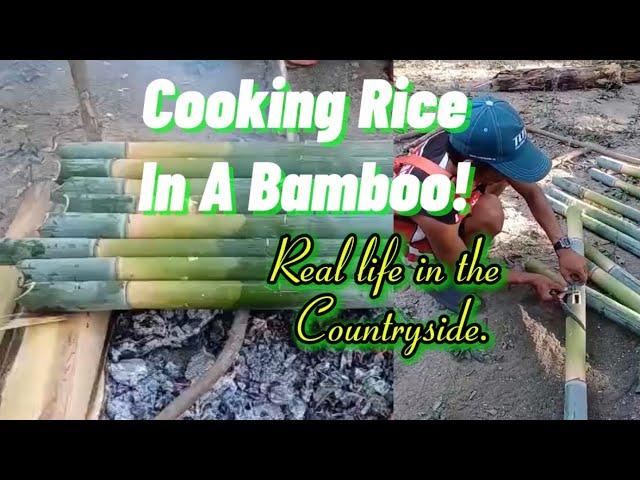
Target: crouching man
(496, 143)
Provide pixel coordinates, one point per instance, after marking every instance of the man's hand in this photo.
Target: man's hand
(573, 267)
(545, 286)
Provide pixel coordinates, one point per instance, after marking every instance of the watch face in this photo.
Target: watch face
(565, 243)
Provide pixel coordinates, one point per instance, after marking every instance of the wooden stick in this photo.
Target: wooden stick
(92, 127)
(208, 380)
(587, 145)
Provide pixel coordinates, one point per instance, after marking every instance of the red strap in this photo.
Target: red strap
(424, 164)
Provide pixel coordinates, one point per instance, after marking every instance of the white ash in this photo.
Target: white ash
(156, 354)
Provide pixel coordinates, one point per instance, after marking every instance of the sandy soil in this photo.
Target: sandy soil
(522, 377)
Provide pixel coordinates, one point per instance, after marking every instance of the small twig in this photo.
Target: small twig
(406, 136)
(207, 381)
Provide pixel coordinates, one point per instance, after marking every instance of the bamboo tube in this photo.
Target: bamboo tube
(596, 301)
(126, 186)
(117, 203)
(173, 294)
(588, 145)
(612, 181)
(13, 251)
(605, 231)
(122, 225)
(585, 193)
(92, 150)
(609, 284)
(200, 167)
(612, 268)
(618, 223)
(149, 268)
(575, 390)
(619, 167)
(216, 149)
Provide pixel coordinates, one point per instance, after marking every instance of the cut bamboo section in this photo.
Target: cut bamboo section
(126, 186)
(220, 149)
(174, 294)
(618, 223)
(575, 389)
(122, 225)
(612, 268)
(200, 167)
(596, 301)
(605, 231)
(595, 197)
(14, 251)
(619, 167)
(48, 371)
(149, 268)
(612, 181)
(618, 290)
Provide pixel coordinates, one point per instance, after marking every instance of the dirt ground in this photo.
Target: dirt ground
(522, 377)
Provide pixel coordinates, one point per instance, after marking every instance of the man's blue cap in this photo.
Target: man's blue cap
(497, 136)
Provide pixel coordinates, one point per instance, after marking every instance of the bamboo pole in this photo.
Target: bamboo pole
(122, 225)
(618, 223)
(174, 294)
(201, 167)
(609, 284)
(575, 400)
(596, 301)
(13, 251)
(612, 268)
(352, 148)
(585, 193)
(605, 231)
(149, 268)
(126, 186)
(612, 181)
(619, 167)
(587, 145)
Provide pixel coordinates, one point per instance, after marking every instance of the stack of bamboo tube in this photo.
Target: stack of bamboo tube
(99, 255)
(612, 220)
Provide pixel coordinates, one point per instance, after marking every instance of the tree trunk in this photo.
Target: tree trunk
(610, 75)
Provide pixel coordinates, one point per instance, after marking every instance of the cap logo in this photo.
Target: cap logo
(519, 139)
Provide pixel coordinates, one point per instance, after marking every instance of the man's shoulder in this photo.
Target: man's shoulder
(435, 147)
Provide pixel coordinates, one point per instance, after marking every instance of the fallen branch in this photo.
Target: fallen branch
(207, 381)
(611, 75)
(586, 145)
(406, 136)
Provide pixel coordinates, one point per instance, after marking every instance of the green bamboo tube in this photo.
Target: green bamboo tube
(92, 150)
(585, 193)
(126, 203)
(596, 301)
(605, 231)
(609, 266)
(174, 294)
(216, 149)
(618, 223)
(609, 284)
(123, 225)
(612, 181)
(97, 203)
(201, 167)
(149, 268)
(619, 167)
(126, 186)
(575, 389)
(13, 251)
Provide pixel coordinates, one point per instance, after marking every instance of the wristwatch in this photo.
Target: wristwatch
(562, 244)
